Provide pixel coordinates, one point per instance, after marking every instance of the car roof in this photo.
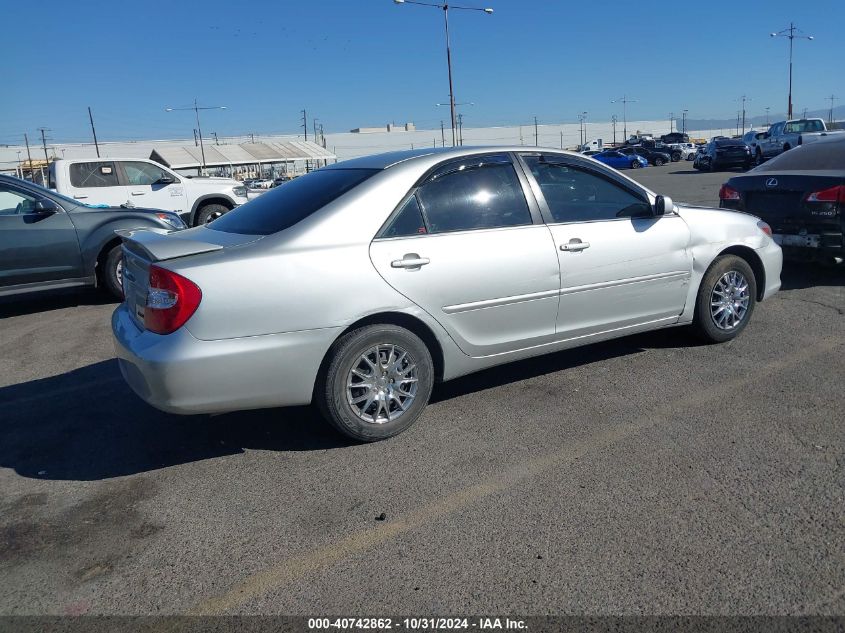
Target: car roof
(436, 154)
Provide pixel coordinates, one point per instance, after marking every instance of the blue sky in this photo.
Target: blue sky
(358, 63)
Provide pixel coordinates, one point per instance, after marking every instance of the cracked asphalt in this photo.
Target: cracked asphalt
(647, 475)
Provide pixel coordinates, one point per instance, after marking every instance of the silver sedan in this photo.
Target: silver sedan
(359, 285)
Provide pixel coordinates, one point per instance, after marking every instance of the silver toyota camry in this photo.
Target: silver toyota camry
(359, 285)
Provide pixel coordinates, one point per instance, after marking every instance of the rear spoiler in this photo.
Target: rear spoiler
(159, 244)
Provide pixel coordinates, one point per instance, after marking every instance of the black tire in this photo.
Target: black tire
(110, 273)
(711, 165)
(759, 156)
(347, 354)
(635, 164)
(208, 213)
(676, 156)
(704, 321)
(659, 162)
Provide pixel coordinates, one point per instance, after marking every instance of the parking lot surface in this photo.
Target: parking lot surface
(650, 475)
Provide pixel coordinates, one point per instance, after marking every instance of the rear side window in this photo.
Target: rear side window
(285, 205)
(487, 196)
(409, 221)
(99, 174)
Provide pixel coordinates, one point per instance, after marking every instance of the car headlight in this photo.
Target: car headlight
(239, 191)
(173, 220)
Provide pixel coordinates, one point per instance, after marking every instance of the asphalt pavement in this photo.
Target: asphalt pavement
(647, 475)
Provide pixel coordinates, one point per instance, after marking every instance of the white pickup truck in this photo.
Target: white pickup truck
(139, 182)
(784, 135)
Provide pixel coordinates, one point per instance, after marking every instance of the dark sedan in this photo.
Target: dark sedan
(654, 157)
(723, 153)
(800, 194)
(48, 241)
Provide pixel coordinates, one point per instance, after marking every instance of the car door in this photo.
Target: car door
(152, 187)
(97, 183)
(470, 249)
(618, 160)
(35, 246)
(620, 266)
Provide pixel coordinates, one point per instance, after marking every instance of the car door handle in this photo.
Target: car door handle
(79, 197)
(410, 260)
(574, 245)
(138, 193)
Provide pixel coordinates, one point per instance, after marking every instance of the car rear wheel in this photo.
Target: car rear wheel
(209, 213)
(676, 156)
(635, 164)
(725, 300)
(111, 275)
(658, 162)
(377, 382)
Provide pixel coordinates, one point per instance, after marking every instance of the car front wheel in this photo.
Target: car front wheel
(658, 162)
(725, 300)
(377, 382)
(111, 274)
(635, 164)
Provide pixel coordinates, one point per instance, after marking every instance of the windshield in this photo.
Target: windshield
(823, 154)
(289, 203)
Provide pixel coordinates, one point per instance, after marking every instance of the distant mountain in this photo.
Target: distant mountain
(760, 121)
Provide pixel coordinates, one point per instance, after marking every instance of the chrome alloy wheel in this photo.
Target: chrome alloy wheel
(729, 300)
(382, 384)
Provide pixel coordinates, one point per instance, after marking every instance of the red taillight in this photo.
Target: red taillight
(171, 300)
(765, 228)
(834, 194)
(728, 193)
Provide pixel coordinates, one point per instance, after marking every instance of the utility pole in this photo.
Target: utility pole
(743, 98)
(460, 129)
(46, 158)
(790, 33)
(831, 98)
(216, 140)
(561, 139)
(613, 120)
(93, 131)
(314, 123)
(671, 122)
(684, 121)
(305, 123)
(625, 101)
(322, 136)
(767, 116)
(196, 142)
(28, 155)
(737, 122)
(442, 135)
(536, 137)
(804, 114)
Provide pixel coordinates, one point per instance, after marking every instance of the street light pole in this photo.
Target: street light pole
(684, 121)
(196, 108)
(790, 33)
(445, 8)
(625, 101)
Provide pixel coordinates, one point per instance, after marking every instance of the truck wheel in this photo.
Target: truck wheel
(111, 274)
(676, 157)
(209, 213)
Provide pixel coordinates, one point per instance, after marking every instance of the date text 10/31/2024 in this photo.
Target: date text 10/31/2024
(385, 624)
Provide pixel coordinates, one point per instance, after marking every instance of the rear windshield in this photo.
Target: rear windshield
(825, 154)
(801, 127)
(729, 142)
(291, 202)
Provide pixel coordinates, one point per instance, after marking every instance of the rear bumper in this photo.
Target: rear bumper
(812, 244)
(179, 373)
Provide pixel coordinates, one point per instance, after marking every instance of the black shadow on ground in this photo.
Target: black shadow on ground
(87, 425)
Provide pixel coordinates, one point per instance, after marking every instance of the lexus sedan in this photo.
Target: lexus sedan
(359, 285)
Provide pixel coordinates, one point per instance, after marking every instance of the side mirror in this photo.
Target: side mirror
(164, 180)
(45, 206)
(663, 205)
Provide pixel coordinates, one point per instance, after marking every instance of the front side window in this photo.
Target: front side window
(485, 196)
(143, 173)
(99, 174)
(15, 203)
(575, 194)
